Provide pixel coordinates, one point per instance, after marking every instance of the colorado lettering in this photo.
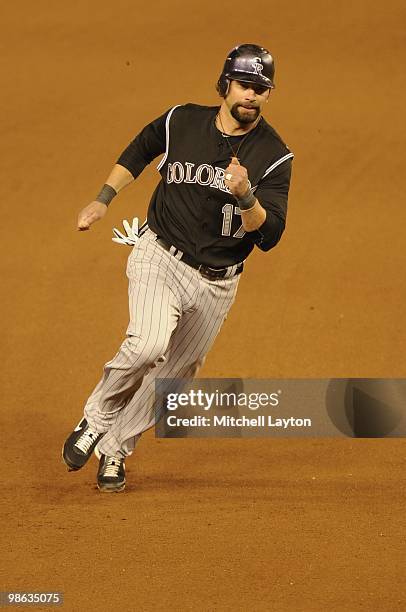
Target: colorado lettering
(204, 175)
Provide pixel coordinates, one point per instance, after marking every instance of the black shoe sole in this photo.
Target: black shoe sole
(71, 466)
(111, 488)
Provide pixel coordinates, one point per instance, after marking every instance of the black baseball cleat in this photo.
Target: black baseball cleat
(111, 474)
(80, 445)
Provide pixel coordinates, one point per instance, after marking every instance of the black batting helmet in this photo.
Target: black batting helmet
(249, 64)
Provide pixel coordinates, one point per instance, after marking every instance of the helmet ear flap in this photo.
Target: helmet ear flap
(223, 85)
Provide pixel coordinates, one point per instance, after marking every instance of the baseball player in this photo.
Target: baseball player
(225, 176)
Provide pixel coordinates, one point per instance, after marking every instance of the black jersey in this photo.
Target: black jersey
(191, 206)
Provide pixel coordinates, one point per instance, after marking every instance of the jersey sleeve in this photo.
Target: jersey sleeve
(145, 147)
(272, 193)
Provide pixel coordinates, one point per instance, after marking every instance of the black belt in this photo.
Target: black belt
(206, 271)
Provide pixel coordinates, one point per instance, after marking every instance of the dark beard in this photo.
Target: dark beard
(249, 118)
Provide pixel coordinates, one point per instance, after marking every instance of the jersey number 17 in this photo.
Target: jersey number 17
(228, 210)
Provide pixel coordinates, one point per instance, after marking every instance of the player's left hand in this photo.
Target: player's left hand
(238, 183)
(131, 230)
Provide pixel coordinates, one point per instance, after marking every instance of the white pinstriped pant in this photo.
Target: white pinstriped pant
(175, 316)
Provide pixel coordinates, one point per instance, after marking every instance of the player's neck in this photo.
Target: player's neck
(228, 124)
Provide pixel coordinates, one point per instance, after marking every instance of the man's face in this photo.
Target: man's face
(245, 100)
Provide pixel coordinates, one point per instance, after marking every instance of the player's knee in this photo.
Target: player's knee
(148, 351)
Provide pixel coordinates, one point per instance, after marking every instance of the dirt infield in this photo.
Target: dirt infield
(303, 525)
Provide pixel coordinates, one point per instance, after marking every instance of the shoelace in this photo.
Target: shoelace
(111, 467)
(86, 440)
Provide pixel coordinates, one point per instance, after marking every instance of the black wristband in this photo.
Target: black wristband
(247, 201)
(106, 194)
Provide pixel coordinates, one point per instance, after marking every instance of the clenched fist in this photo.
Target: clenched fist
(238, 181)
(91, 213)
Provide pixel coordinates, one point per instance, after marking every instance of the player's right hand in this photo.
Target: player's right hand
(91, 213)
